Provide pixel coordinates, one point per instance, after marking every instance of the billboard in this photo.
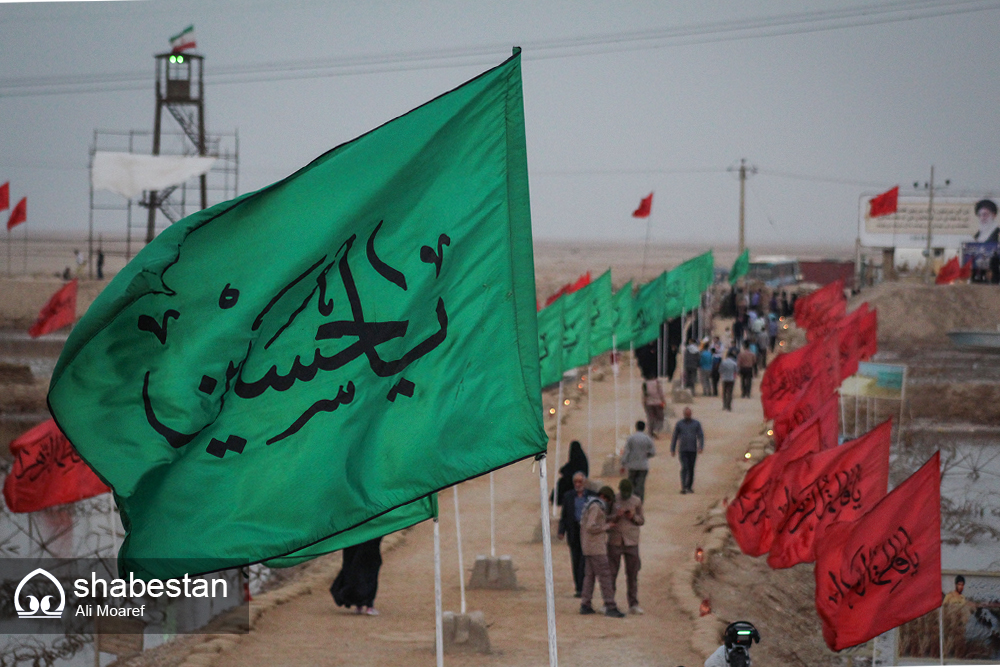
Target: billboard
(957, 220)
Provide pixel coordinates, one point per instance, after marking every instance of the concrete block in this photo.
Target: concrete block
(465, 633)
(493, 573)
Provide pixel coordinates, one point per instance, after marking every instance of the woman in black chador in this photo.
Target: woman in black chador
(357, 582)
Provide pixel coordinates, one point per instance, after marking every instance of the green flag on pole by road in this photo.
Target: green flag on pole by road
(623, 304)
(649, 310)
(576, 329)
(302, 368)
(740, 267)
(602, 314)
(550, 343)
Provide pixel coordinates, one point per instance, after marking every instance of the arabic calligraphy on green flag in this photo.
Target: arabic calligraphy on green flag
(602, 314)
(576, 329)
(649, 310)
(550, 343)
(623, 305)
(302, 368)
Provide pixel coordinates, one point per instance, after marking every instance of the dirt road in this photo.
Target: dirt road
(311, 630)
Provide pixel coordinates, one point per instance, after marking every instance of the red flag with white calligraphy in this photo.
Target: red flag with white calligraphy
(749, 515)
(825, 304)
(884, 569)
(47, 471)
(837, 484)
(58, 312)
(789, 373)
(811, 408)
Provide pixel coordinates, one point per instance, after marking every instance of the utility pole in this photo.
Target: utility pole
(743, 169)
(929, 186)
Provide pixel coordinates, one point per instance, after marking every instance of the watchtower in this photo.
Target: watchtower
(180, 89)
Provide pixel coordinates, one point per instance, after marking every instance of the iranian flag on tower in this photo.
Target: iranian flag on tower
(183, 40)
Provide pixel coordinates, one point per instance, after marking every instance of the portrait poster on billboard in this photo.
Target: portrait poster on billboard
(956, 220)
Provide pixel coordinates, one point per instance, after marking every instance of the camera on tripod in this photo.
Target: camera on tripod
(739, 637)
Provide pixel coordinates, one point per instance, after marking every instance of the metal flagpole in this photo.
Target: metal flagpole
(10, 262)
(857, 416)
(493, 512)
(843, 419)
(941, 628)
(25, 248)
(438, 613)
(631, 378)
(550, 597)
(590, 423)
(458, 540)
(555, 500)
(614, 371)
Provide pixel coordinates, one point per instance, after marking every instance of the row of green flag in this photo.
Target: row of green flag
(588, 322)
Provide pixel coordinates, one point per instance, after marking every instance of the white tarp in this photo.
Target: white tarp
(128, 174)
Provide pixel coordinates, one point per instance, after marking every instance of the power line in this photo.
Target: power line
(700, 33)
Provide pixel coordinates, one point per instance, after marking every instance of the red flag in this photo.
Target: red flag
(949, 272)
(847, 331)
(816, 404)
(789, 372)
(965, 273)
(884, 204)
(749, 514)
(58, 312)
(825, 304)
(18, 215)
(568, 288)
(645, 207)
(884, 569)
(47, 471)
(868, 335)
(5, 196)
(841, 483)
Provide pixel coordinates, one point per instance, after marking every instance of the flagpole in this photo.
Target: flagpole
(550, 596)
(631, 377)
(857, 415)
(558, 435)
(590, 427)
(458, 541)
(645, 248)
(493, 532)
(10, 261)
(614, 369)
(941, 629)
(26, 247)
(438, 614)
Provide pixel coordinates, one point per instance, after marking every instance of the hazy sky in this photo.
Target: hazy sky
(830, 100)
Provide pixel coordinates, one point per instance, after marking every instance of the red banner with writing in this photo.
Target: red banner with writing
(749, 515)
(789, 373)
(47, 471)
(58, 312)
(791, 422)
(884, 569)
(848, 331)
(837, 484)
(825, 304)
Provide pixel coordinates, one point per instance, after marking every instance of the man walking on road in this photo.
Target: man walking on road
(746, 361)
(638, 450)
(594, 537)
(727, 373)
(573, 502)
(692, 441)
(623, 541)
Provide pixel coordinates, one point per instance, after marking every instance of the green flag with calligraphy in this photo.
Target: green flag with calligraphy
(649, 310)
(550, 343)
(602, 316)
(576, 329)
(741, 267)
(302, 368)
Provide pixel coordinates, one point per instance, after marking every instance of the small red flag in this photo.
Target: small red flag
(58, 312)
(965, 273)
(884, 569)
(884, 204)
(750, 515)
(868, 335)
(568, 288)
(47, 471)
(18, 215)
(847, 332)
(5, 196)
(841, 483)
(786, 376)
(645, 207)
(949, 273)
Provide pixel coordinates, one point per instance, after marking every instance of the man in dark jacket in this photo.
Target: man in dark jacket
(691, 440)
(573, 502)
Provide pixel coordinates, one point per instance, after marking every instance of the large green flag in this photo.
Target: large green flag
(602, 316)
(624, 311)
(302, 368)
(741, 267)
(550, 343)
(576, 329)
